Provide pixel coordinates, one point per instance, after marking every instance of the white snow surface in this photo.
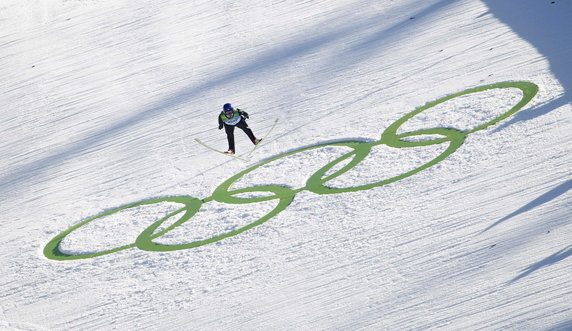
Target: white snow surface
(100, 103)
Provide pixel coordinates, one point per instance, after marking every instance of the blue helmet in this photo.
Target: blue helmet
(227, 107)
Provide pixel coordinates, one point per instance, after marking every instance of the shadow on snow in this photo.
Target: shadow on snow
(552, 259)
(546, 197)
(550, 36)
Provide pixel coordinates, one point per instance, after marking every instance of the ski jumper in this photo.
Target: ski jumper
(237, 119)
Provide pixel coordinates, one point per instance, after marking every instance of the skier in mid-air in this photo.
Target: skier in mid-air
(231, 117)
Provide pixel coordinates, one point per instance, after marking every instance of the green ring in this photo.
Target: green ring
(53, 252)
(391, 138)
(144, 240)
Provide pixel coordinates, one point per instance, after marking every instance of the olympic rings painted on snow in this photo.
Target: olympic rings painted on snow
(316, 183)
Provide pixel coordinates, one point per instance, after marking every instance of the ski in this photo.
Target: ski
(246, 158)
(262, 139)
(221, 152)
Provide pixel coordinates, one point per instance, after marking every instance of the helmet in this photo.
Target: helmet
(227, 107)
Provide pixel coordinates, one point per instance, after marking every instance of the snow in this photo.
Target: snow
(101, 103)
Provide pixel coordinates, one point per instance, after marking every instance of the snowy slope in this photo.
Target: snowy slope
(101, 102)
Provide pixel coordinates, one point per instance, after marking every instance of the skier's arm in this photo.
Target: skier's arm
(220, 124)
(243, 113)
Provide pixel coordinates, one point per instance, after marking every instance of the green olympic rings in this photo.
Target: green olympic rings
(316, 183)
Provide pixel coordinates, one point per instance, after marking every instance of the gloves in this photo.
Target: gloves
(245, 115)
(220, 126)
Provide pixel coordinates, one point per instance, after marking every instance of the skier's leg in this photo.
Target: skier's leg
(244, 126)
(229, 129)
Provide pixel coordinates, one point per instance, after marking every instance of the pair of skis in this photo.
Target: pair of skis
(247, 156)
